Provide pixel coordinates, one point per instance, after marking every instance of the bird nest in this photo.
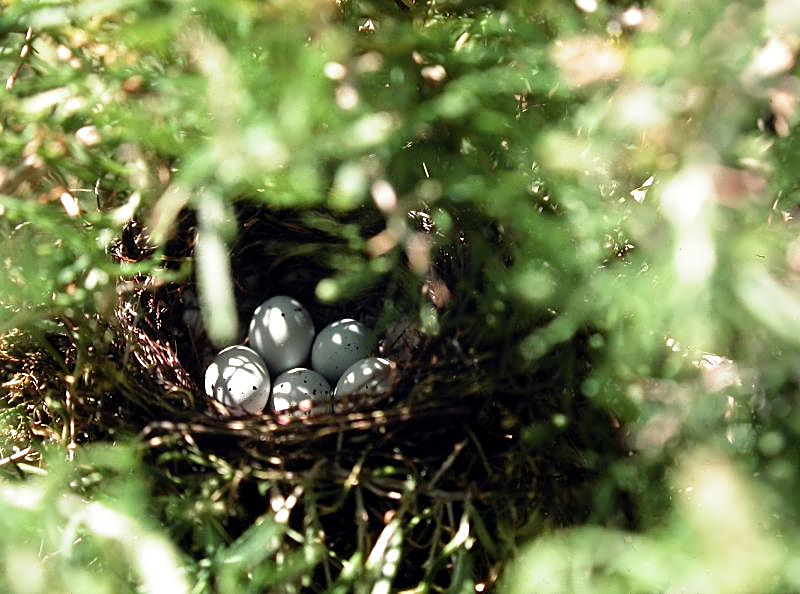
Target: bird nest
(438, 478)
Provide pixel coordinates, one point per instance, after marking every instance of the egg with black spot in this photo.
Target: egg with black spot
(371, 375)
(339, 345)
(239, 379)
(281, 331)
(303, 387)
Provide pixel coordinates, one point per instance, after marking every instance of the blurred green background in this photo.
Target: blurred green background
(611, 186)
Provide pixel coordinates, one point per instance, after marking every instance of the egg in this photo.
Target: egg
(300, 386)
(371, 375)
(281, 331)
(339, 345)
(239, 379)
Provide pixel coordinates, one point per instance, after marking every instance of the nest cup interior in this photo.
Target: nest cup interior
(273, 255)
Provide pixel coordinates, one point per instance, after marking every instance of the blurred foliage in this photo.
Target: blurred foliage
(84, 526)
(547, 177)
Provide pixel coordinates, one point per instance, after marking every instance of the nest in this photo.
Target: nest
(446, 473)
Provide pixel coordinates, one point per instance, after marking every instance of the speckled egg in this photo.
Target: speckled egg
(339, 345)
(371, 375)
(239, 379)
(281, 331)
(302, 387)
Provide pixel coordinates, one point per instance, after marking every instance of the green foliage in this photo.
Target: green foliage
(605, 194)
(84, 526)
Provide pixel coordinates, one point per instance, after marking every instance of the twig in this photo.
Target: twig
(447, 463)
(15, 456)
(362, 518)
(481, 454)
(70, 426)
(31, 169)
(24, 54)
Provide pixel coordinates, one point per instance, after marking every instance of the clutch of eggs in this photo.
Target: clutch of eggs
(282, 339)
